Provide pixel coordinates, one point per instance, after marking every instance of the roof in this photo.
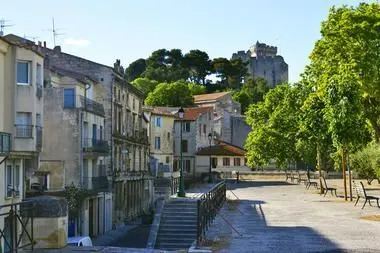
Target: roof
(78, 76)
(210, 97)
(221, 148)
(21, 42)
(193, 113)
(162, 111)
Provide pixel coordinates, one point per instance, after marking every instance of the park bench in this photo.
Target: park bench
(302, 178)
(309, 183)
(361, 193)
(326, 188)
(291, 176)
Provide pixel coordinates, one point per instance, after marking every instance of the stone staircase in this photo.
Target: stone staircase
(178, 226)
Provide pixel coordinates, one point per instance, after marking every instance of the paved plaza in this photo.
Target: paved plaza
(273, 216)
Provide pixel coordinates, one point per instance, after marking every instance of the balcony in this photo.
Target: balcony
(39, 138)
(96, 183)
(73, 101)
(94, 145)
(24, 131)
(5, 143)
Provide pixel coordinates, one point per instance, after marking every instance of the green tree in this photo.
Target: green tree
(199, 66)
(252, 91)
(172, 94)
(196, 89)
(135, 69)
(231, 73)
(367, 162)
(166, 66)
(351, 37)
(274, 128)
(145, 85)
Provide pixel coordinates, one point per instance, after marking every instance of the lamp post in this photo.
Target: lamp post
(181, 190)
(209, 171)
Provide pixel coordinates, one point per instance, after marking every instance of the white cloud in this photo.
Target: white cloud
(77, 42)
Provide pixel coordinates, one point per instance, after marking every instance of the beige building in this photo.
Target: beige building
(21, 124)
(74, 125)
(224, 157)
(197, 124)
(161, 141)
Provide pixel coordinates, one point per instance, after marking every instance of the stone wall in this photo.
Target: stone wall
(239, 131)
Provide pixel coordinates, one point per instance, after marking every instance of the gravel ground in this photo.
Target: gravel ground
(273, 216)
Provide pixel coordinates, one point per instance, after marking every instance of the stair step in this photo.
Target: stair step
(170, 234)
(177, 229)
(173, 245)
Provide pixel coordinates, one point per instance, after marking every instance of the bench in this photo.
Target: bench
(361, 193)
(292, 177)
(309, 183)
(325, 188)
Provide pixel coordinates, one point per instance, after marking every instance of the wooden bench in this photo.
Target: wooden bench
(309, 183)
(326, 188)
(361, 193)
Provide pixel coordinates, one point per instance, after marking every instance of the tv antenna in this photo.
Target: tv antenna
(34, 38)
(3, 24)
(55, 32)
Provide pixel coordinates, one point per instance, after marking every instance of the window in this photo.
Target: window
(39, 75)
(184, 146)
(168, 135)
(236, 161)
(158, 121)
(38, 119)
(24, 126)
(175, 165)
(12, 180)
(226, 161)
(204, 128)
(186, 127)
(101, 133)
(68, 98)
(200, 129)
(167, 159)
(214, 162)
(157, 142)
(187, 166)
(23, 73)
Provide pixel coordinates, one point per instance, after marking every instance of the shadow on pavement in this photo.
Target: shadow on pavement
(232, 184)
(246, 225)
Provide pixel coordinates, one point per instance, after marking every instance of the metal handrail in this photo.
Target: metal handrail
(25, 131)
(207, 208)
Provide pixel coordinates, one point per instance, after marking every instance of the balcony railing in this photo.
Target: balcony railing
(5, 142)
(73, 101)
(24, 131)
(95, 183)
(94, 145)
(39, 137)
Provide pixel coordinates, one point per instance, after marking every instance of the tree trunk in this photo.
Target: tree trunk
(344, 171)
(319, 165)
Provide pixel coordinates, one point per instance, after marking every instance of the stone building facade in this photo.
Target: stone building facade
(161, 141)
(74, 124)
(21, 125)
(264, 62)
(197, 124)
(124, 130)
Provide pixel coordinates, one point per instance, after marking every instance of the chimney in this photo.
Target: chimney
(57, 49)
(44, 44)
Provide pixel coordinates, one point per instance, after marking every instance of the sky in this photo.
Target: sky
(104, 31)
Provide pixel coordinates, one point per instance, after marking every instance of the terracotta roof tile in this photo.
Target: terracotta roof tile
(222, 148)
(194, 112)
(211, 96)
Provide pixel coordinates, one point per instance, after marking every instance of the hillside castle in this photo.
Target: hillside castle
(264, 62)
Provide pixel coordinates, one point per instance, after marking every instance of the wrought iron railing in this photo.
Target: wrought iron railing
(208, 206)
(94, 145)
(24, 131)
(95, 183)
(17, 232)
(74, 101)
(5, 142)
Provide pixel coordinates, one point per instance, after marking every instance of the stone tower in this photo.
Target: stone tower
(264, 62)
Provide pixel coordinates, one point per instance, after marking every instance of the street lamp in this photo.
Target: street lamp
(181, 190)
(210, 172)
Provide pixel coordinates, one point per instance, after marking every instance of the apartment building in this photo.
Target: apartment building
(21, 124)
(161, 141)
(75, 147)
(197, 124)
